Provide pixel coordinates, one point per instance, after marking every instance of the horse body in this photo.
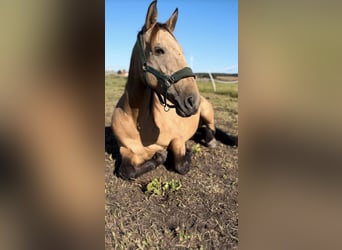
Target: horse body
(144, 128)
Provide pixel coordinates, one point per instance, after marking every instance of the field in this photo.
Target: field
(196, 211)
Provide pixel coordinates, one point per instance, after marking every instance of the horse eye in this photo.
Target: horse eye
(159, 51)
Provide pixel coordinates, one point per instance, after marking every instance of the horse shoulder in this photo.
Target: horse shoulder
(122, 123)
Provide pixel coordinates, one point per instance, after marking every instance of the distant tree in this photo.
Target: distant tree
(119, 72)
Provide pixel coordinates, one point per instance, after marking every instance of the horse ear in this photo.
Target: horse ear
(171, 23)
(151, 17)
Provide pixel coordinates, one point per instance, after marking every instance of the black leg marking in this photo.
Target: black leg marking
(209, 139)
(117, 165)
(160, 157)
(205, 136)
(183, 165)
(128, 172)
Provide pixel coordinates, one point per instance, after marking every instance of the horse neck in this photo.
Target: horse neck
(138, 95)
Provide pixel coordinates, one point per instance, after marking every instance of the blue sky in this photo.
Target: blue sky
(207, 30)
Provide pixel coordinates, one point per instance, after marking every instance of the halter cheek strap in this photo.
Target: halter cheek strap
(167, 80)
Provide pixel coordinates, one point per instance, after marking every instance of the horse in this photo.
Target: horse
(161, 107)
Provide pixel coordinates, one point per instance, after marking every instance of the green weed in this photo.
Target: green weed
(196, 148)
(157, 187)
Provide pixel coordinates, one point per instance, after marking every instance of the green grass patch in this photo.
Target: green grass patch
(196, 148)
(158, 187)
(115, 82)
(227, 89)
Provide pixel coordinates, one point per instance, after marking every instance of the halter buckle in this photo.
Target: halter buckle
(171, 80)
(167, 84)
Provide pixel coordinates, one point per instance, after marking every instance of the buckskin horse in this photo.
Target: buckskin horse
(161, 107)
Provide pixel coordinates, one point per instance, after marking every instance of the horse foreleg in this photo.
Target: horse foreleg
(129, 169)
(182, 156)
(207, 119)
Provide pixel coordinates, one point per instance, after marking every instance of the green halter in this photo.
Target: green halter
(167, 80)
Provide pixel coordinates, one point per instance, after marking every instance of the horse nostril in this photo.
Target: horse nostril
(189, 102)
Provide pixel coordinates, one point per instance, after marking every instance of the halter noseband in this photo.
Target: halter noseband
(167, 80)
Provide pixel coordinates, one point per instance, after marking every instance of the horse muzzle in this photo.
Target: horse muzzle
(187, 106)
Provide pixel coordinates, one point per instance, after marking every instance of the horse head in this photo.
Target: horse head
(163, 66)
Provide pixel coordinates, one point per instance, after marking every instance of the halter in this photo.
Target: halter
(167, 80)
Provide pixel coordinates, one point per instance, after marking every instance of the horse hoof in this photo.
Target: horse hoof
(183, 169)
(127, 172)
(212, 143)
(160, 157)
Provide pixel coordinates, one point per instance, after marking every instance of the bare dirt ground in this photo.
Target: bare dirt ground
(202, 213)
